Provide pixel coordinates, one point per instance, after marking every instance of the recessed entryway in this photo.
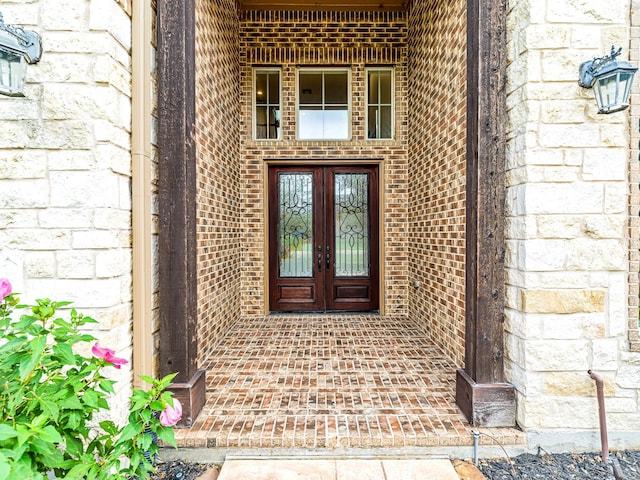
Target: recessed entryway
(446, 154)
(323, 238)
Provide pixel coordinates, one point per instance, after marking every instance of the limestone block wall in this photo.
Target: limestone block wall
(65, 167)
(634, 187)
(568, 224)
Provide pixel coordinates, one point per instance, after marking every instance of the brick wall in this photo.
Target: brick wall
(353, 39)
(437, 149)
(219, 238)
(65, 168)
(567, 227)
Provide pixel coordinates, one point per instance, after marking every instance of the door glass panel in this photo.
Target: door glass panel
(351, 205)
(295, 227)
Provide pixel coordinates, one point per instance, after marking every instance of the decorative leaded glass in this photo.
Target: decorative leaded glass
(352, 249)
(295, 229)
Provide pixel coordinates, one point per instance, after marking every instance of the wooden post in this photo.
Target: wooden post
(177, 203)
(481, 392)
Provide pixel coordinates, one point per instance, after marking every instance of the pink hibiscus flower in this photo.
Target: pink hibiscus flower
(108, 355)
(5, 288)
(171, 415)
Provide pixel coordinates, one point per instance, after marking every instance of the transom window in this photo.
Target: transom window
(380, 103)
(323, 104)
(267, 104)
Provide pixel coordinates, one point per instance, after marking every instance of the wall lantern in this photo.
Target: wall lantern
(18, 47)
(610, 79)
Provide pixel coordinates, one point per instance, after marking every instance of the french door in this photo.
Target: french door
(323, 238)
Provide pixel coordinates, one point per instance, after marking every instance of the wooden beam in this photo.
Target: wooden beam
(481, 392)
(177, 201)
(351, 5)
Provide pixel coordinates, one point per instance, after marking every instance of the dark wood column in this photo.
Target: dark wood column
(481, 392)
(177, 203)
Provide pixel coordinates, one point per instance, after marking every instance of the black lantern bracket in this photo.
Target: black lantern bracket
(20, 41)
(590, 69)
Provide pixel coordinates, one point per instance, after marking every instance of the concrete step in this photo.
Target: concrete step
(265, 468)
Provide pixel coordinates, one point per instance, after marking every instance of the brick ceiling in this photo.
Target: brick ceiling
(370, 5)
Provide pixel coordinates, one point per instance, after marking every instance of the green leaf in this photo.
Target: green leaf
(90, 398)
(65, 353)
(23, 468)
(139, 405)
(60, 322)
(5, 468)
(7, 432)
(78, 471)
(107, 386)
(128, 432)
(74, 420)
(50, 408)
(37, 346)
(167, 436)
(146, 415)
(57, 305)
(50, 434)
(147, 379)
(71, 403)
(13, 344)
(74, 446)
(109, 427)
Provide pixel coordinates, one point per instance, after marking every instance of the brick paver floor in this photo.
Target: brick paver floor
(331, 381)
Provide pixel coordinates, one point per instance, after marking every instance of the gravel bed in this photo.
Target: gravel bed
(567, 466)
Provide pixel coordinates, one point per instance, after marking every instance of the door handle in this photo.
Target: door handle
(328, 261)
(319, 262)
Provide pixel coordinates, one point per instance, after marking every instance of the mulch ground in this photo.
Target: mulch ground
(568, 466)
(179, 470)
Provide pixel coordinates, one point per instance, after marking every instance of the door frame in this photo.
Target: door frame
(377, 163)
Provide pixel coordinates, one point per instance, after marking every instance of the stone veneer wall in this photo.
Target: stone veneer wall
(355, 39)
(437, 168)
(567, 226)
(65, 168)
(634, 183)
(218, 171)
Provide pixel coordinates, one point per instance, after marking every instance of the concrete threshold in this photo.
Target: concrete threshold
(219, 455)
(336, 468)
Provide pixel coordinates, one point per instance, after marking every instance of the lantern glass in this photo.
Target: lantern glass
(612, 90)
(13, 68)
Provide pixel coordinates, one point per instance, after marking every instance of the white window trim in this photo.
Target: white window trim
(349, 103)
(254, 115)
(393, 103)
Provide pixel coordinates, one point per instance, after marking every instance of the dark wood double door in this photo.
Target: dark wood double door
(323, 238)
